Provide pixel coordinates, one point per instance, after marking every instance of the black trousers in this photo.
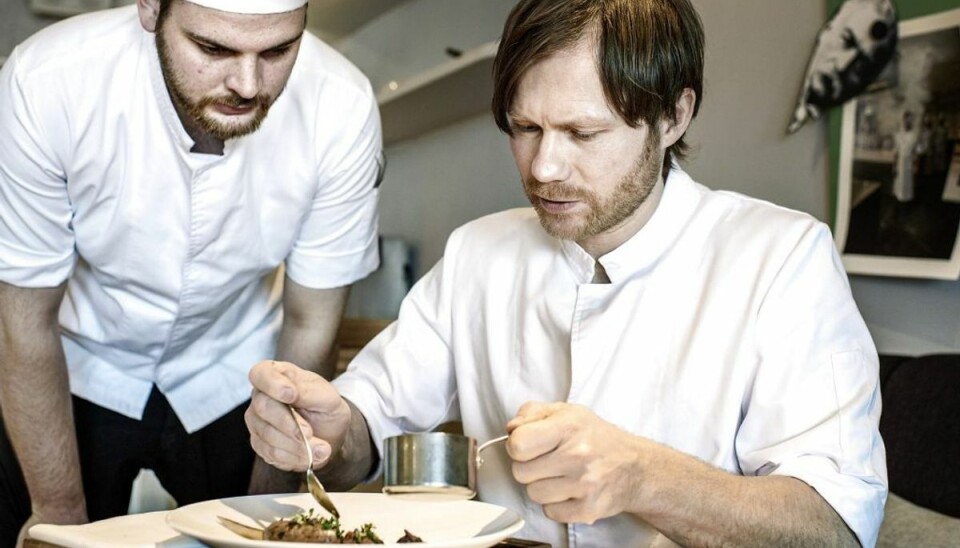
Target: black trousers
(14, 500)
(214, 462)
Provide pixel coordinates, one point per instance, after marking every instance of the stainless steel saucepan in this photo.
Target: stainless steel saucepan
(434, 464)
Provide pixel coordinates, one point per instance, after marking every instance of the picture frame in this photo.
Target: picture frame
(898, 191)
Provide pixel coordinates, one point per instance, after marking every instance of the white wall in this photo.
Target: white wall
(757, 51)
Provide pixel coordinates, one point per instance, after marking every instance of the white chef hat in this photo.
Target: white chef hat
(251, 6)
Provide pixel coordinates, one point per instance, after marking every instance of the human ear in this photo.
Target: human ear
(149, 11)
(673, 129)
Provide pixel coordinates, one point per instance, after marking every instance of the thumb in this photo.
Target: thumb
(282, 381)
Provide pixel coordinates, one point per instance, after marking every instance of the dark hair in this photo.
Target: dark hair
(648, 52)
(163, 11)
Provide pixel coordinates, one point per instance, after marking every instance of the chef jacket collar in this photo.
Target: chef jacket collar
(641, 252)
(164, 101)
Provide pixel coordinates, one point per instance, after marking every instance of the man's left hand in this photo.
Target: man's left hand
(578, 466)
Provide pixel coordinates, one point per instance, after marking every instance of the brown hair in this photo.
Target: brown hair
(648, 52)
(163, 11)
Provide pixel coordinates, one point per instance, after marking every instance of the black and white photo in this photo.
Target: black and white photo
(899, 192)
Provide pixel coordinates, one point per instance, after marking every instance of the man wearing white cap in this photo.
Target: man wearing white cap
(172, 176)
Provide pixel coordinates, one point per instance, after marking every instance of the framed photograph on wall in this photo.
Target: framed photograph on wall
(898, 193)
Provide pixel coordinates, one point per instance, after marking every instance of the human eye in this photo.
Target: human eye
(276, 53)
(211, 50)
(581, 135)
(523, 128)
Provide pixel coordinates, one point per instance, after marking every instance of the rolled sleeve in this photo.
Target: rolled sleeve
(36, 237)
(858, 500)
(814, 409)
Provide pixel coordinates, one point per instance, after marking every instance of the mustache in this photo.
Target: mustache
(235, 101)
(555, 192)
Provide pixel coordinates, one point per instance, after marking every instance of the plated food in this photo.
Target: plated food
(310, 527)
(441, 524)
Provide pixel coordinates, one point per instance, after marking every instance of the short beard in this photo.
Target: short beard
(605, 214)
(196, 110)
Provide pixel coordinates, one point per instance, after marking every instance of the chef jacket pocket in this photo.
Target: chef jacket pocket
(855, 392)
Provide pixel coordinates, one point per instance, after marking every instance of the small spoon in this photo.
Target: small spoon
(313, 484)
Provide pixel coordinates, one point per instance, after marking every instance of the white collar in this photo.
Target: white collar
(643, 249)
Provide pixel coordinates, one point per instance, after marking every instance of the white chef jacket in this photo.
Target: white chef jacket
(172, 257)
(906, 141)
(727, 332)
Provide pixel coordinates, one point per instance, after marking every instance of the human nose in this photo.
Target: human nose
(244, 79)
(549, 162)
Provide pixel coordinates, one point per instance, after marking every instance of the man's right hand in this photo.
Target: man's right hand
(273, 433)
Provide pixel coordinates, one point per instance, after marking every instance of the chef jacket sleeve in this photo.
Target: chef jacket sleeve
(814, 410)
(36, 238)
(338, 242)
(404, 380)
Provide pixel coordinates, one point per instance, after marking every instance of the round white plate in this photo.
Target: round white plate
(449, 524)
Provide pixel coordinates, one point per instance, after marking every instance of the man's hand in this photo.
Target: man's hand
(582, 469)
(273, 433)
(578, 466)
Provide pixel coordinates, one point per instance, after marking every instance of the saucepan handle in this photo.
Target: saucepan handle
(487, 444)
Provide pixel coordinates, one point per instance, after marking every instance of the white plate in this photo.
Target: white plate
(448, 524)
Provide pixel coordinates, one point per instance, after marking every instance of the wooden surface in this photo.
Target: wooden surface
(354, 334)
(357, 332)
(30, 543)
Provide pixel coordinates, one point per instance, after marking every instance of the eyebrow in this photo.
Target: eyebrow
(213, 43)
(581, 122)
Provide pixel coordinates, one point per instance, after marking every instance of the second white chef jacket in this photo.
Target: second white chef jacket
(172, 256)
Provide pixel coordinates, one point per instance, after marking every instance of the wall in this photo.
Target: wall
(756, 56)
(17, 22)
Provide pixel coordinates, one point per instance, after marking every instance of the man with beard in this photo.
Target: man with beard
(173, 175)
(672, 364)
